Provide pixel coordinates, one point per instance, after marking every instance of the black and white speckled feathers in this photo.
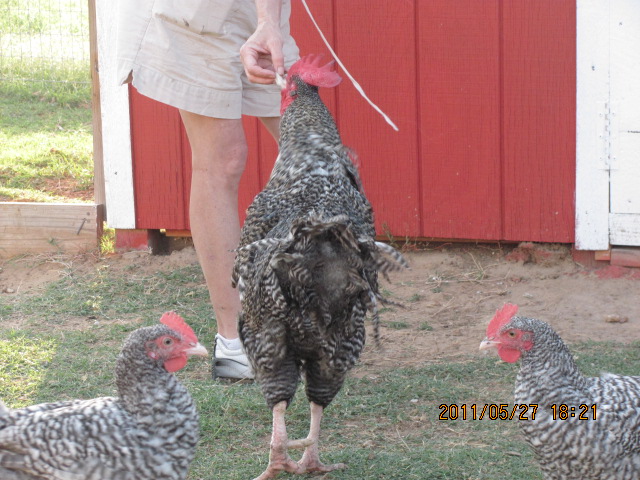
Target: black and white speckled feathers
(149, 432)
(604, 448)
(307, 264)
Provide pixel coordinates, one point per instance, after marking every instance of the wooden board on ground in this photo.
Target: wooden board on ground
(47, 227)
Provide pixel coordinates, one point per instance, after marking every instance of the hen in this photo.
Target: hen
(596, 430)
(149, 432)
(307, 266)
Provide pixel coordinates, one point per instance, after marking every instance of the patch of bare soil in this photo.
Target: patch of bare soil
(69, 188)
(450, 294)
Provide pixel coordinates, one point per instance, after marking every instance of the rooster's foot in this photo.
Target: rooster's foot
(310, 461)
(277, 466)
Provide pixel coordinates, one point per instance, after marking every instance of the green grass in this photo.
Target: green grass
(36, 17)
(64, 340)
(47, 152)
(23, 367)
(45, 102)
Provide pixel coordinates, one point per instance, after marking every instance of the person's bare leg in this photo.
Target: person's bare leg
(219, 154)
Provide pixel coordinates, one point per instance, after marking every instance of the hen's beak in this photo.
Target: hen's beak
(197, 349)
(486, 344)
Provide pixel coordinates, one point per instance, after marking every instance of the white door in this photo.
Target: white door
(624, 215)
(608, 124)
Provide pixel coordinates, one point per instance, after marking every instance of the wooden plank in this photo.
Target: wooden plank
(47, 227)
(115, 124)
(592, 87)
(178, 233)
(624, 228)
(626, 257)
(459, 118)
(98, 162)
(602, 255)
(538, 120)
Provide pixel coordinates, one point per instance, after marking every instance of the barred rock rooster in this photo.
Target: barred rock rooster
(596, 432)
(307, 267)
(149, 432)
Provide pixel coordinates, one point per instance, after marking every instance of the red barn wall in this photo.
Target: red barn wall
(483, 94)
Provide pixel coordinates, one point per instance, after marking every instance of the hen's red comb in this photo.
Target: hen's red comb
(501, 318)
(308, 68)
(177, 323)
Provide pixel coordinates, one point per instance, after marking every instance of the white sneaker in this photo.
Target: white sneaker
(230, 363)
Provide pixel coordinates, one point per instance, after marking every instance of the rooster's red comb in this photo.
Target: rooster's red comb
(177, 323)
(501, 318)
(310, 70)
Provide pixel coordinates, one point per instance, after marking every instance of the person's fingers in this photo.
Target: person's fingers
(256, 71)
(261, 75)
(277, 58)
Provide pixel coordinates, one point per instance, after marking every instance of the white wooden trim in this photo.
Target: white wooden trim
(592, 120)
(116, 131)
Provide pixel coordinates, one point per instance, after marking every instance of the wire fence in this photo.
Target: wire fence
(44, 41)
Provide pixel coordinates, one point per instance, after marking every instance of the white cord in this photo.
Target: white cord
(281, 81)
(353, 80)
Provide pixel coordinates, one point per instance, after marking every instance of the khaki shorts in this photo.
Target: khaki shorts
(189, 58)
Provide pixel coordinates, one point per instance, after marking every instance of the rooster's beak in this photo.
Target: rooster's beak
(197, 349)
(486, 344)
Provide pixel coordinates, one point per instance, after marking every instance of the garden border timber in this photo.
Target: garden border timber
(48, 227)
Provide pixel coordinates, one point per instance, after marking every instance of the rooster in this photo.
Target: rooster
(307, 267)
(596, 430)
(148, 432)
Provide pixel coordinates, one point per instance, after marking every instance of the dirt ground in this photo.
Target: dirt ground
(449, 295)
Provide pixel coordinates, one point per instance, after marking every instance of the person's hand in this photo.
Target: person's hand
(262, 54)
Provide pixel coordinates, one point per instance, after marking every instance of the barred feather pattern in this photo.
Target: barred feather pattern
(307, 265)
(607, 448)
(149, 432)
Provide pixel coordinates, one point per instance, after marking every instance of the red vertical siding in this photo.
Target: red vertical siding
(483, 93)
(539, 108)
(186, 173)
(251, 181)
(459, 99)
(378, 46)
(158, 166)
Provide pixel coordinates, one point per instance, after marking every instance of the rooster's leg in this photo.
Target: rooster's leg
(279, 460)
(310, 461)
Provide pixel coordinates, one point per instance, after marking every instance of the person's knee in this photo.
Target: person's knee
(234, 161)
(223, 166)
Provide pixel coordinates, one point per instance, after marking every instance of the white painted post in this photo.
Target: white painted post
(592, 125)
(116, 131)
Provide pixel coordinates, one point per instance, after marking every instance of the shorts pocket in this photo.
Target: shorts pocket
(198, 16)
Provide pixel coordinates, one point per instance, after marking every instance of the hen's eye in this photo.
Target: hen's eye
(167, 341)
(511, 333)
